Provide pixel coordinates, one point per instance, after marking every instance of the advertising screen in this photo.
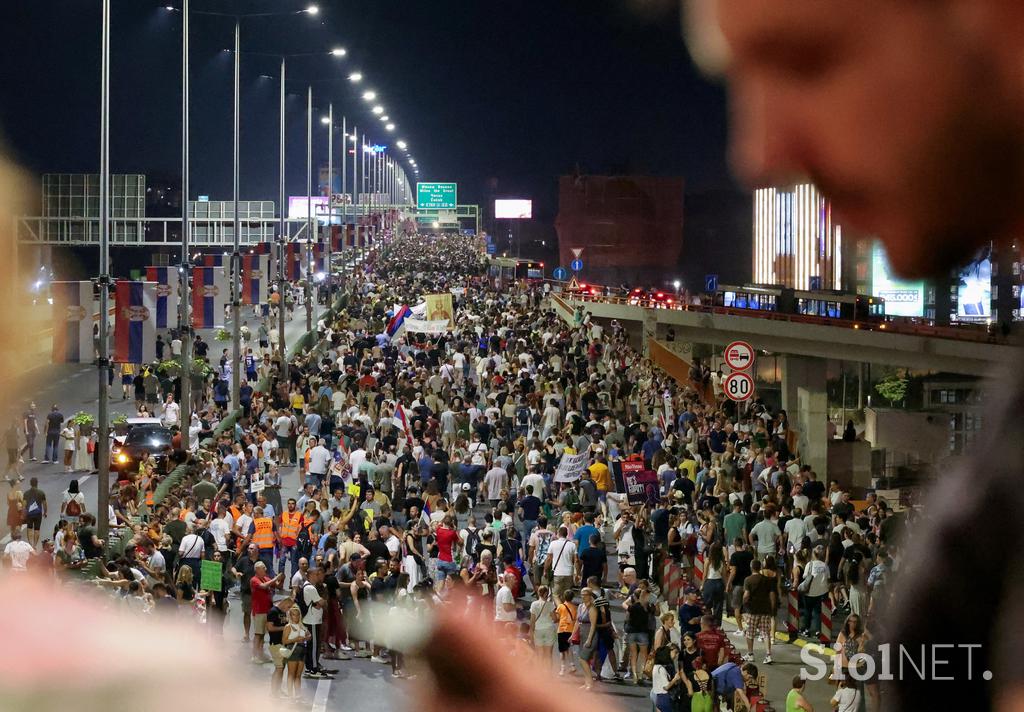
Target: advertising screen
(974, 292)
(297, 209)
(902, 298)
(513, 209)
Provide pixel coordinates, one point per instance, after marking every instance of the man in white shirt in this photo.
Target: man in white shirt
(313, 619)
(764, 535)
(504, 603)
(319, 460)
(18, 552)
(172, 411)
(220, 527)
(561, 562)
(495, 481)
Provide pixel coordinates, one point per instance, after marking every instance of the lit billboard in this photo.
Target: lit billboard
(974, 290)
(902, 298)
(513, 209)
(298, 210)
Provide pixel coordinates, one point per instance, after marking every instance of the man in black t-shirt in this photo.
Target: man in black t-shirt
(594, 560)
(277, 619)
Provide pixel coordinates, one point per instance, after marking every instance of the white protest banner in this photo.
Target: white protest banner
(571, 467)
(256, 484)
(418, 326)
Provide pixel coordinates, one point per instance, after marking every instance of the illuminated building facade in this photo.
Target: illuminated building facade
(796, 243)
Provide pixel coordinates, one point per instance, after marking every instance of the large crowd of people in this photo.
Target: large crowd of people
(434, 473)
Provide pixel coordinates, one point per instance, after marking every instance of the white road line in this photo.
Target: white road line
(323, 690)
(5, 541)
(83, 480)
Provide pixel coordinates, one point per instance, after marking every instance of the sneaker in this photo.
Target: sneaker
(327, 672)
(767, 660)
(361, 654)
(346, 648)
(380, 659)
(738, 633)
(748, 657)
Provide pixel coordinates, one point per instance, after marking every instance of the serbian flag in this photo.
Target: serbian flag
(209, 295)
(213, 260)
(294, 267)
(254, 279)
(316, 259)
(134, 322)
(268, 250)
(166, 279)
(337, 238)
(401, 422)
(72, 322)
(398, 319)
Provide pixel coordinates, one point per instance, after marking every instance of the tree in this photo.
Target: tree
(893, 387)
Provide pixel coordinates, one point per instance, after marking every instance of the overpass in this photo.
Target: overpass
(805, 344)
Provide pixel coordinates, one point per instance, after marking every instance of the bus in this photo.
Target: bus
(514, 268)
(830, 304)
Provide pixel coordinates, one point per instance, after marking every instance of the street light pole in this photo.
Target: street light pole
(103, 359)
(184, 304)
(355, 191)
(344, 186)
(282, 230)
(330, 194)
(236, 310)
(309, 208)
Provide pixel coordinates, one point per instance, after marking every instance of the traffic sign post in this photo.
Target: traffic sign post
(442, 196)
(711, 283)
(561, 274)
(576, 265)
(576, 252)
(739, 386)
(739, 355)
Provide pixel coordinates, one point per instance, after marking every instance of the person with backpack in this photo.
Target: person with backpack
(537, 550)
(814, 586)
(73, 504)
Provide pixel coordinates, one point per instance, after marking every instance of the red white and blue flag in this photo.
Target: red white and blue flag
(398, 319)
(166, 279)
(134, 322)
(254, 279)
(269, 250)
(216, 260)
(294, 267)
(72, 322)
(401, 422)
(209, 295)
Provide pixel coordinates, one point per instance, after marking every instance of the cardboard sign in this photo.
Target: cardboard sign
(641, 484)
(210, 575)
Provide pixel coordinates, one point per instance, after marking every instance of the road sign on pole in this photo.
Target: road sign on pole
(739, 386)
(561, 274)
(576, 252)
(711, 283)
(739, 355)
(576, 265)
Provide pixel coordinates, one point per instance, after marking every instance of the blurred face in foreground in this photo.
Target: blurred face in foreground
(906, 113)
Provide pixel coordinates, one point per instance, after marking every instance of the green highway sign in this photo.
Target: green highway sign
(436, 195)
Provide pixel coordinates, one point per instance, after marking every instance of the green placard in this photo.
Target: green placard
(442, 196)
(210, 575)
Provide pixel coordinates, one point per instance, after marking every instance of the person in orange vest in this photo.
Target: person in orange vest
(263, 533)
(288, 528)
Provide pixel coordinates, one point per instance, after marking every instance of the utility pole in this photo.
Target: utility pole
(309, 209)
(282, 279)
(330, 196)
(184, 269)
(236, 256)
(103, 361)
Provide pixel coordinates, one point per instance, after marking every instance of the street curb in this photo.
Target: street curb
(798, 642)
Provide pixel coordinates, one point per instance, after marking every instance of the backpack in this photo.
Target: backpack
(572, 501)
(523, 416)
(472, 542)
(73, 508)
(301, 600)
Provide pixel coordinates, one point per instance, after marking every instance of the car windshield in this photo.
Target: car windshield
(149, 437)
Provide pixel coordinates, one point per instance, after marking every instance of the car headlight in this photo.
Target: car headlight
(122, 459)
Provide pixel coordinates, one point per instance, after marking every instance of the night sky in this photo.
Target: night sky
(501, 97)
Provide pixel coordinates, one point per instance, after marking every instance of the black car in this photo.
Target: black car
(142, 441)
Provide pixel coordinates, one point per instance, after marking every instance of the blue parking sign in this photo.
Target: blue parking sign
(561, 274)
(576, 265)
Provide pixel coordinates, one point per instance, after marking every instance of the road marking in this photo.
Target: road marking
(6, 540)
(83, 480)
(323, 690)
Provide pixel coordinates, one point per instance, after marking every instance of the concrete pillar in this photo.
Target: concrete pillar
(805, 400)
(650, 330)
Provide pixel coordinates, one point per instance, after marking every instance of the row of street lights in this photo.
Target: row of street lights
(380, 172)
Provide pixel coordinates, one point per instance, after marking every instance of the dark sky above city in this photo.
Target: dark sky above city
(486, 93)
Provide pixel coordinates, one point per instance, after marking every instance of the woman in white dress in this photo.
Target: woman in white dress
(83, 458)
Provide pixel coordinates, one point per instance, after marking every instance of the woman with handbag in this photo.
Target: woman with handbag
(567, 613)
(294, 639)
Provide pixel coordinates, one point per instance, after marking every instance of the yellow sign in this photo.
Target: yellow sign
(439, 307)
(353, 490)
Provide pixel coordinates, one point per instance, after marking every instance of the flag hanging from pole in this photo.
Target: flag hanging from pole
(213, 260)
(254, 279)
(72, 322)
(400, 421)
(166, 279)
(209, 296)
(134, 322)
(294, 267)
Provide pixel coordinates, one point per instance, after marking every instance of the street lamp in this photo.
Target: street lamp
(355, 77)
(390, 127)
(402, 145)
(312, 10)
(378, 109)
(369, 95)
(339, 51)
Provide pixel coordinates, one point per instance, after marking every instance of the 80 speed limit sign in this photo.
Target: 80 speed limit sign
(739, 386)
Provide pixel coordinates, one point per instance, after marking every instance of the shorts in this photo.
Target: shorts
(563, 642)
(259, 623)
(246, 597)
(736, 598)
(544, 637)
(127, 380)
(299, 654)
(757, 624)
(34, 522)
(277, 652)
(587, 651)
(641, 638)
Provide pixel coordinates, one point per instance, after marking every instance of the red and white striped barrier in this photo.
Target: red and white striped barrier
(672, 582)
(698, 571)
(825, 636)
(792, 613)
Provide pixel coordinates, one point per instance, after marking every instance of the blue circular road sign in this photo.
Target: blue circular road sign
(561, 273)
(576, 265)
